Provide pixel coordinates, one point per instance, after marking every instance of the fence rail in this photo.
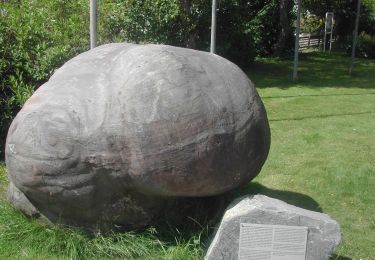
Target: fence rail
(308, 40)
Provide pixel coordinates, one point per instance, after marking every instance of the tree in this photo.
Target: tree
(345, 14)
(244, 28)
(285, 7)
(190, 41)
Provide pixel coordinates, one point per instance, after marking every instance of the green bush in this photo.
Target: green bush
(147, 21)
(311, 23)
(36, 37)
(366, 45)
(244, 28)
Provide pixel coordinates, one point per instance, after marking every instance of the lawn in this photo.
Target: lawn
(322, 158)
(323, 142)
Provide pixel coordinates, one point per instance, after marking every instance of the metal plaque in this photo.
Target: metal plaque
(272, 242)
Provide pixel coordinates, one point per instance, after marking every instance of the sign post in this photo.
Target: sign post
(296, 43)
(328, 29)
(93, 18)
(213, 26)
(355, 33)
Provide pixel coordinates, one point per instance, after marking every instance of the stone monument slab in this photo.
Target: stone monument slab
(323, 232)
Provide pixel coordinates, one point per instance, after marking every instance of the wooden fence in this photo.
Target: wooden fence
(308, 40)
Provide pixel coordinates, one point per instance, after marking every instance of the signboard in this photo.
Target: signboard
(329, 21)
(272, 242)
(328, 29)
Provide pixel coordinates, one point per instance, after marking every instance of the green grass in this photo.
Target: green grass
(322, 158)
(323, 142)
(24, 238)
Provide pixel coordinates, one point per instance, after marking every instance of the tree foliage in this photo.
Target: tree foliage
(244, 28)
(36, 37)
(366, 45)
(345, 13)
(311, 23)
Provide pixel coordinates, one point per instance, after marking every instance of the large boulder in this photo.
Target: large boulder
(122, 129)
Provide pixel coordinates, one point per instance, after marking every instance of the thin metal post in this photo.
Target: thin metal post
(330, 41)
(93, 22)
(328, 29)
(308, 45)
(213, 26)
(325, 36)
(296, 44)
(355, 33)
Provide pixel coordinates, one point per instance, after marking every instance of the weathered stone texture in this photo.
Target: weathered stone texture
(120, 128)
(323, 237)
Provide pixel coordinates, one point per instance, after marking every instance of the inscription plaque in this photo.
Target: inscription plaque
(272, 242)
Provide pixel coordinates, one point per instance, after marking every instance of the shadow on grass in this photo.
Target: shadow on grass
(340, 257)
(319, 95)
(320, 116)
(290, 197)
(200, 216)
(196, 217)
(195, 214)
(316, 70)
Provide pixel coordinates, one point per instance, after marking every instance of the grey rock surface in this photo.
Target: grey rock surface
(20, 202)
(323, 237)
(120, 130)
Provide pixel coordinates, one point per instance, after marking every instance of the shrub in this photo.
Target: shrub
(311, 23)
(366, 45)
(244, 29)
(35, 39)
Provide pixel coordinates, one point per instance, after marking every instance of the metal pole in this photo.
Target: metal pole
(330, 42)
(355, 33)
(330, 22)
(93, 18)
(296, 44)
(213, 26)
(325, 35)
